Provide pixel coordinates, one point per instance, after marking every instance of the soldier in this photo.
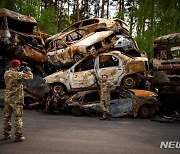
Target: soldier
(14, 99)
(105, 89)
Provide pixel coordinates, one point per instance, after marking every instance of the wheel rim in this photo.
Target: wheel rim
(129, 82)
(58, 89)
(145, 112)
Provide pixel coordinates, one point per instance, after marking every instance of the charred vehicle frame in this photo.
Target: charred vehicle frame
(122, 70)
(68, 49)
(123, 103)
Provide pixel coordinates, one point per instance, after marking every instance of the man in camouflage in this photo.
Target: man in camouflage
(14, 99)
(105, 91)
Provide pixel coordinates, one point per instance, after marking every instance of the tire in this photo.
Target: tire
(129, 82)
(77, 57)
(76, 111)
(145, 111)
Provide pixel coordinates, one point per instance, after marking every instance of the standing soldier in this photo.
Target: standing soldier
(105, 90)
(14, 99)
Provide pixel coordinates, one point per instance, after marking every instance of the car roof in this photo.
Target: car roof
(93, 38)
(171, 38)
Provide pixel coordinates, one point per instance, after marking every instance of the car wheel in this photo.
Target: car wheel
(129, 82)
(77, 57)
(145, 111)
(58, 89)
(76, 111)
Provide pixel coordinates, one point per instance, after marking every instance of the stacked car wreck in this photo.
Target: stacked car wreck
(105, 46)
(20, 38)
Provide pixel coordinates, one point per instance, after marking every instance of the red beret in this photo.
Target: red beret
(15, 62)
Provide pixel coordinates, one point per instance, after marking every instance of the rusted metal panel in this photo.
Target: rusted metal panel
(17, 16)
(171, 38)
(27, 53)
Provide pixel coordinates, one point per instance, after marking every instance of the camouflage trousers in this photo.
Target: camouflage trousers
(9, 109)
(105, 107)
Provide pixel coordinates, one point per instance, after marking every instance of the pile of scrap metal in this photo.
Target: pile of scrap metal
(166, 71)
(64, 61)
(20, 38)
(105, 46)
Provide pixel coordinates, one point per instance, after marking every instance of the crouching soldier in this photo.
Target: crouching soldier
(14, 99)
(105, 91)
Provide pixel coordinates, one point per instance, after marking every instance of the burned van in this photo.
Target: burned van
(166, 64)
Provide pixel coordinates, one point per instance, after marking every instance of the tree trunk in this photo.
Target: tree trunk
(77, 11)
(85, 8)
(102, 10)
(107, 9)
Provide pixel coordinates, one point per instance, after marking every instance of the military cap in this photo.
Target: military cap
(15, 63)
(105, 75)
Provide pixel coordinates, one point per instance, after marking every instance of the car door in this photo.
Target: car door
(80, 75)
(110, 65)
(120, 105)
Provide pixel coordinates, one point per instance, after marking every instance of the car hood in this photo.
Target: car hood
(143, 93)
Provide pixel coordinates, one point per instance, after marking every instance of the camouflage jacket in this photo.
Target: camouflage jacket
(105, 87)
(14, 87)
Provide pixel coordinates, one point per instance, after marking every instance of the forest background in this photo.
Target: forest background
(147, 19)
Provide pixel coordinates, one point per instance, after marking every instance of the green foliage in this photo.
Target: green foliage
(8, 4)
(156, 18)
(28, 7)
(47, 21)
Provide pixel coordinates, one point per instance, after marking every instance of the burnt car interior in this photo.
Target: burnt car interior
(108, 61)
(67, 40)
(86, 64)
(20, 26)
(92, 98)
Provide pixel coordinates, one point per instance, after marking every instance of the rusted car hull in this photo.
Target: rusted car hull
(123, 103)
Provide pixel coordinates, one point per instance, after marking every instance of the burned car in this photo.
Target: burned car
(127, 45)
(123, 103)
(61, 54)
(122, 70)
(94, 25)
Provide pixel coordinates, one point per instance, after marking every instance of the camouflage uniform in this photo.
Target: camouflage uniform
(14, 100)
(105, 87)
